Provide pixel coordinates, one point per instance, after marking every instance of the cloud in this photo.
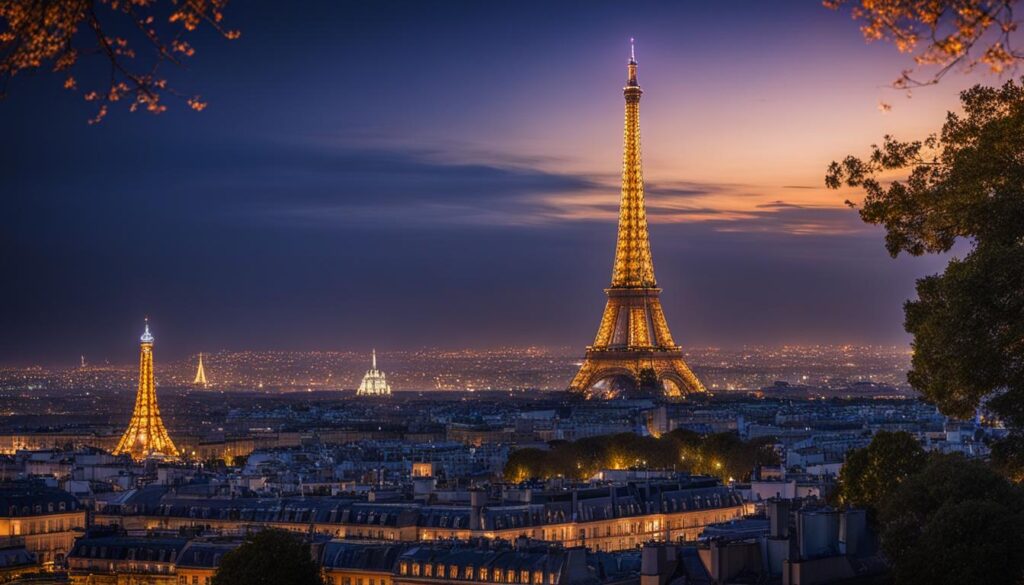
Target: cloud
(426, 189)
(314, 185)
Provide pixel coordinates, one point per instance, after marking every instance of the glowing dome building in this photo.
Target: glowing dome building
(374, 383)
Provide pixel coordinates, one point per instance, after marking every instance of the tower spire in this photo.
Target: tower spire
(633, 267)
(374, 358)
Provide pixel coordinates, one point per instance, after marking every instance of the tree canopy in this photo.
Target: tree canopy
(870, 475)
(941, 34)
(269, 557)
(956, 521)
(723, 455)
(965, 184)
(135, 38)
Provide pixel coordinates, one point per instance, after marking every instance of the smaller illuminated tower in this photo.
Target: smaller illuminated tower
(146, 437)
(374, 382)
(200, 373)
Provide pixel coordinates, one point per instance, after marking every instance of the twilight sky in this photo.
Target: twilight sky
(406, 174)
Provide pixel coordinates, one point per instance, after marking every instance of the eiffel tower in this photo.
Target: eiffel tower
(634, 353)
(146, 436)
(200, 373)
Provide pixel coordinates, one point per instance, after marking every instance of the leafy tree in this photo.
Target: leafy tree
(957, 521)
(941, 34)
(869, 475)
(135, 38)
(269, 557)
(723, 455)
(1008, 457)
(649, 383)
(965, 184)
(523, 464)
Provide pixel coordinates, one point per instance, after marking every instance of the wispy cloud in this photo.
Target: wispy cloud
(424, 188)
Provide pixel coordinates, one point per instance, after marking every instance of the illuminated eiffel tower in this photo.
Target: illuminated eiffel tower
(633, 353)
(146, 436)
(200, 373)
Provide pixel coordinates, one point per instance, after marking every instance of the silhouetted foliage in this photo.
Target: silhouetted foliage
(1008, 457)
(649, 383)
(966, 184)
(723, 454)
(957, 521)
(134, 37)
(941, 33)
(870, 475)
(270, 557)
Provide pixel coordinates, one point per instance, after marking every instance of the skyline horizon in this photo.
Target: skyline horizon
(561, 351)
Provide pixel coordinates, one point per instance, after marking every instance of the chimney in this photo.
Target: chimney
(477, 500)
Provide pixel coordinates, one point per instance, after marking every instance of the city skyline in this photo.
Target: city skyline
(481, 211)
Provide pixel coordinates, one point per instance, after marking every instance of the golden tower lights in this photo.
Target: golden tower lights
(146, 437)
(633, 343)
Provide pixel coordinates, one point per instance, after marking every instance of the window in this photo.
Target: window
(404, 568)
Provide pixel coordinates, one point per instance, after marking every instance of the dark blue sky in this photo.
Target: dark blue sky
(405, 174)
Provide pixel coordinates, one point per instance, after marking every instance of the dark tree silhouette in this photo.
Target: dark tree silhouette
(870, 475)
(957, 521)
(965, 184)
(135, 38)
(270, 557)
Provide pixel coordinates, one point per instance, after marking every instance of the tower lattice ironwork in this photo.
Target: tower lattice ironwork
(146, 437)
(634, 350)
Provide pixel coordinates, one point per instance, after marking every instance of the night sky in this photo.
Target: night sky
(445, 174)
